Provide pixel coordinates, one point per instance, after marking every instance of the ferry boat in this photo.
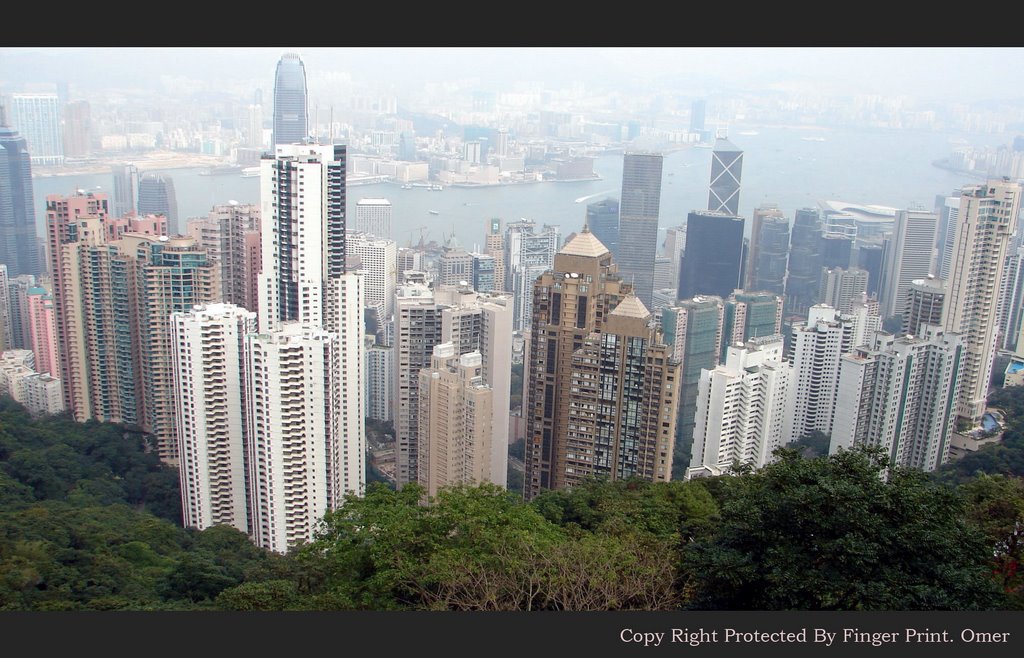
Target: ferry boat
(250, 172)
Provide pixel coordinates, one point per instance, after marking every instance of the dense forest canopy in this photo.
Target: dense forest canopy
(90, 520)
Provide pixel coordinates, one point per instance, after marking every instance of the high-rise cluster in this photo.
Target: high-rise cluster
(468, 323)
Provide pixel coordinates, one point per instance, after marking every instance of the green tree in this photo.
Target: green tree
(995, 505)
(842, 533)
(478, 548)
(516, 387)
(270, 595)
(665, 509)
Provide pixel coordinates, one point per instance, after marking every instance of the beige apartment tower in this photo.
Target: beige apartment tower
(985, 224)
(593, 382)
(494, 245)
(625, 373)
(454, 420)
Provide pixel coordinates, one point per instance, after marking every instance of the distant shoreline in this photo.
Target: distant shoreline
(148, 162)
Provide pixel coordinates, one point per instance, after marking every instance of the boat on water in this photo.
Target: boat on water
(748, 132)
(407, 186)
(813, 139)
(250, 172)
(434, 212)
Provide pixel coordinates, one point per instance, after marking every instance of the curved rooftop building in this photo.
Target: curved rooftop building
(871, 220)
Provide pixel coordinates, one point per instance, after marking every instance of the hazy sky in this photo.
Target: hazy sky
(941, 73)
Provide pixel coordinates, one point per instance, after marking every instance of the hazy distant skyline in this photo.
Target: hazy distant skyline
(977, 74)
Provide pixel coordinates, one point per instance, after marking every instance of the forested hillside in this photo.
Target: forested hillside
(90, 520)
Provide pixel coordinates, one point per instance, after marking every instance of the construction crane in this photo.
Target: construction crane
(422, 230)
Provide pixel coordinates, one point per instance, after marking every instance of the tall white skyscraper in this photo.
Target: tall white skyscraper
(346, 472)
(741, 408)
(209, 393)
(900, 393)
(302, 192)
(373, 216)
(908, 257)
(291, 405)
(379, 258)
(815, 351)
(986, 221)
(304, 369)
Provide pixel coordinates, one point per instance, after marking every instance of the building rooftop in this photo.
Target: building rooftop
(584, 243)
(631, 307)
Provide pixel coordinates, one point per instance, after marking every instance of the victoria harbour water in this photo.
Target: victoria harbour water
(792, 167)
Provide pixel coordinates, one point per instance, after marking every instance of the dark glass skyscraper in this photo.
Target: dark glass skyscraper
(639, 206)
(769, 251)
(603, 220)
(869, 257)
(18, 242)
(291, 114)
(712, 262)
(726, 169)
(836, 250)
(804, 262)
(156, 197)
